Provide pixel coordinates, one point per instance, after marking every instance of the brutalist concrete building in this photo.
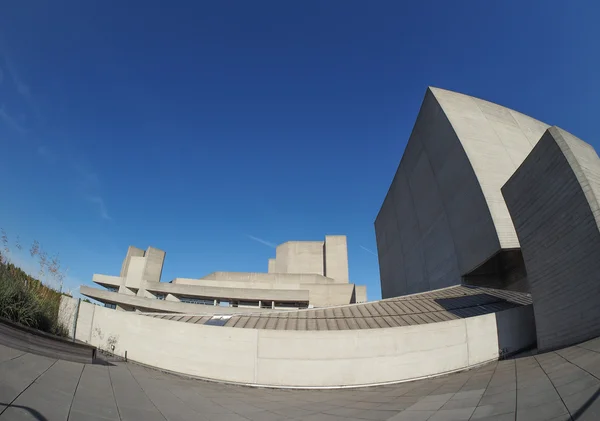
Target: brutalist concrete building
(489, 197)
(303, 274)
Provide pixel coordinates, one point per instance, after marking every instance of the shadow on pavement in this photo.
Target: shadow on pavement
(34, 413)
(583, 409)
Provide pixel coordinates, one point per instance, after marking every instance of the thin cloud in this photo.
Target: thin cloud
(368, 250)
(101, 207)
(260, 240)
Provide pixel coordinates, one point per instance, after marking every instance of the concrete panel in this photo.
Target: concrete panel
(197, 350)
(330, 295)
(441, 264)
(482, 338)
(66, 313)
(155, 259)
(445, 199)
(405, 226)
(336, 258)
(300, 257)
(553, 200)
(131, 252)
(531, 128)
(135, 273)
(85, 321)
(272, 266)
(361, 293)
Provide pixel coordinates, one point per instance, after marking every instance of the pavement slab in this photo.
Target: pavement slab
(560, 385)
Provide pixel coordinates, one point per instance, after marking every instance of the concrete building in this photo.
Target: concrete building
(486, 196)
(444, 220)
(303, 274)
(553, 200)
(488, 243)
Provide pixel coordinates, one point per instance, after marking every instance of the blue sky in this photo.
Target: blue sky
(199, 127)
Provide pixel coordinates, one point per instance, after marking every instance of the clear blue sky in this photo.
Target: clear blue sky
(191, 126)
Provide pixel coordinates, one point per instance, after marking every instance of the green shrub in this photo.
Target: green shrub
(27, 301)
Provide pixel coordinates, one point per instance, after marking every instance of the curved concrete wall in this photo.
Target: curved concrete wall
(308, 358)
(554, 200)
(444, 214)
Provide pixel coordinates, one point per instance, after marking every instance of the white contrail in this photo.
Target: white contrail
(260, 240)
(368, 251)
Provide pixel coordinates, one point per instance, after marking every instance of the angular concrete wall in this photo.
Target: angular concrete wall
(135, 272)
(66, 313)
(131, 252)
(444, 214)
(272, 266)
(308, 358)
(155, 259)
(361, 293)
(300, 257)
(553, 201)
(335, 251)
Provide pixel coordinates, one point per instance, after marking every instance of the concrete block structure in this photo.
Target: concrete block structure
(444, 220)
(488, 197)
(303, 274)
(553, 200)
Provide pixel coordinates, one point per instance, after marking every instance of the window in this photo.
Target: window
(160, 296)
(112, 289)
(246, 304)
(196, 300)
(109, 305)
(290, 304)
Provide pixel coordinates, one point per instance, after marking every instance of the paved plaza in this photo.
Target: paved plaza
(561, 385)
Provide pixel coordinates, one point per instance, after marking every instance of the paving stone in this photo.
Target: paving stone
(483, 411)
(375, 414)
(530, 398)
(542, 412)
(452, 414)
(7, 353)
(585, 402)
(412, 416)
(51, 394)
(461, 403)
(17, 374)
(502, 417)
(504, 397)
(128, 392)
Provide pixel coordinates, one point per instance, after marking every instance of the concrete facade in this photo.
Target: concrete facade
(297, 278)
(444, 215)
(300, 257)
(335, 252)
(306, 358)
(553, 201)
(326, 258)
